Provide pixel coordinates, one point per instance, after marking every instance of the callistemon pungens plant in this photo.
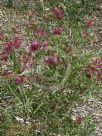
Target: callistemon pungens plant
(41, 74)
(34, 46)
(57, 31)
(51, 60)
(94, 69)
(58, 14)
(19, 80)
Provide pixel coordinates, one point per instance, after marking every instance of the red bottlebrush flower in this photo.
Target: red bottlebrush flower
(85, 34)
(90, 24)
(57, 13)
(51, 60)
(2, 36)
(39, 31)
(57, 31)
(19, 80)
(78, 120)
(34, 46)
(7, 49)
(16, 42)
(94, 69)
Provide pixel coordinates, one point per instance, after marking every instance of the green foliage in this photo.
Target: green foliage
(9, 3)
(45, 105)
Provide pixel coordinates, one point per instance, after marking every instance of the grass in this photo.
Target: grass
(43, 92)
